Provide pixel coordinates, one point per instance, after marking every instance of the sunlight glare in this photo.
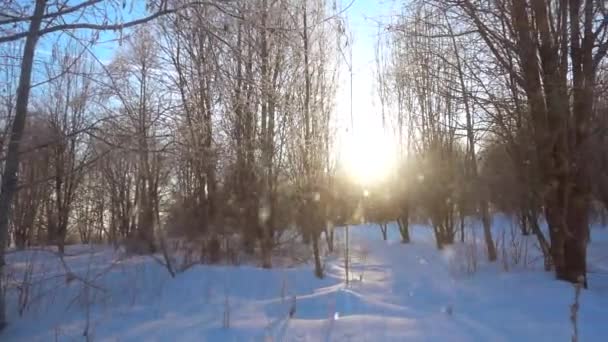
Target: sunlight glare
(368, 155)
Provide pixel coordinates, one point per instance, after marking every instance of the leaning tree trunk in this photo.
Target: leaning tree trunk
(383, 229)
(404, 229)
(9, 176)
(542, 241)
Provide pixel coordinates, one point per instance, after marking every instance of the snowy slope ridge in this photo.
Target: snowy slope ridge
(399, 292)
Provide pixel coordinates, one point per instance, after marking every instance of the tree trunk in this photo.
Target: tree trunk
(450, 232)
(404, 229)
(383, 229)
(315, 251)
(62, 229)
(145, 223)
(487, 231)
(266, 247)
(329, 238)
(438, 236)
(9, 176)
(523, 221)
(461, 226)
(574, 267)
(555, 213)
(542, 241)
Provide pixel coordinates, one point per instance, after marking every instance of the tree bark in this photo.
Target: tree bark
(9, 176)
(329, 238)
(383, 229)
(487, 231)
(404, 229)
(461, 215)
(316, 252)
(438, 236)
(523, 221)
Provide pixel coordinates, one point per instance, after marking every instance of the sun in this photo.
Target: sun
(368, 155)
(366, 144)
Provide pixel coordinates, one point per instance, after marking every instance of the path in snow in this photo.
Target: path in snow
(413, 292)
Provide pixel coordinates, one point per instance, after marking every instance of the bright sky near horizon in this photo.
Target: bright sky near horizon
(368, 150)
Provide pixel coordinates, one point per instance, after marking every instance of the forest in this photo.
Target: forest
(207, 133)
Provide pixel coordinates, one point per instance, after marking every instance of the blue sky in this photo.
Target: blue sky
(363, 17)
(106, 45)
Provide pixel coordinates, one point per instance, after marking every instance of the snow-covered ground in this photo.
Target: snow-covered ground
(399, 292)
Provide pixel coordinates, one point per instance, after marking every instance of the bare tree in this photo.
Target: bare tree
(68, 116)
(85, 15)
(545, 39)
